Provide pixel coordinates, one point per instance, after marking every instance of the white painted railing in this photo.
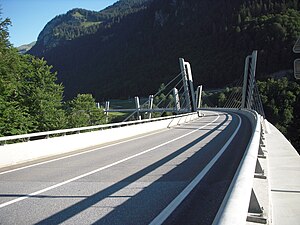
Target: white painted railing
(69, 140)
(47, 134)
(234, 208)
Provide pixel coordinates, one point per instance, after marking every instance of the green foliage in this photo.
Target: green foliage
(4, 42)
(42, 95)
(116, 117)
(281, 103)
(280, 98)
(13, 120)
(30, 98)
(82, 111)
(221, 99)
(282, 27)
(76, 23)
(161, 100)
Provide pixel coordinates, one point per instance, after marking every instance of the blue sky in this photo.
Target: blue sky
(30, 16)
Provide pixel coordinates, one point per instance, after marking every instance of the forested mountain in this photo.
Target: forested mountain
(131, 47)
(80, 22)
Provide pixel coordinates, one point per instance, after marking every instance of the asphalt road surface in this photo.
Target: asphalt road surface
(176, 176)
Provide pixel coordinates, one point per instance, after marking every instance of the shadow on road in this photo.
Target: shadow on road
(141, 204)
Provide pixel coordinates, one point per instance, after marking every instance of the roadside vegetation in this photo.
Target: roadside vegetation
(30, 98)
(281, 102)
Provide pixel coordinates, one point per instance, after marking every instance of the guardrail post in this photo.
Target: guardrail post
(199, 96)
(198, 99)
(177, 101)
(138, 107)
(255, 211)
(261, 153)
(150, 106)
(259, 172)
(106, 110)
(262, 146)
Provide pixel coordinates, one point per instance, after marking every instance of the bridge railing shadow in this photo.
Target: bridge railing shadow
(119, 214)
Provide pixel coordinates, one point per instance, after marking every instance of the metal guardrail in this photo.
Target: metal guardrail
(47, 134)
(234, 208)
(147, 110)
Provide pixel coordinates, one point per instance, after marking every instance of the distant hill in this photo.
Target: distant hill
(25, 48)
(132, 46)
(80, 22)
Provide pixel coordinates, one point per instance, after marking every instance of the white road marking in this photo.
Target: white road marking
(88, 151)
(80, 153)
(176, 202)
(104, 167)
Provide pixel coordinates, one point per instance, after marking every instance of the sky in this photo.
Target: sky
(29, 17)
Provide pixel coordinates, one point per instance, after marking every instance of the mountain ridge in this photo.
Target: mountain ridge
(137, 51)
(79, 22)
(23, 49)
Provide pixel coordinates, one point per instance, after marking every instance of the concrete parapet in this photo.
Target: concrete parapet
(12, 154)
(284, 172)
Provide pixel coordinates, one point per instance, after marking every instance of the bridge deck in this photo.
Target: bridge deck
(130, 182)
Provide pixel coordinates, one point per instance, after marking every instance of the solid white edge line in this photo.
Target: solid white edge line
(103, 168)
(85, 152)
(160, 218)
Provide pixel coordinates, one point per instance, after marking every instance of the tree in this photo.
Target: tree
(42, 95)
(221, 99)
(30, 99)
(4, 42)
(281, 104)
(14, 117)
(82, 111)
